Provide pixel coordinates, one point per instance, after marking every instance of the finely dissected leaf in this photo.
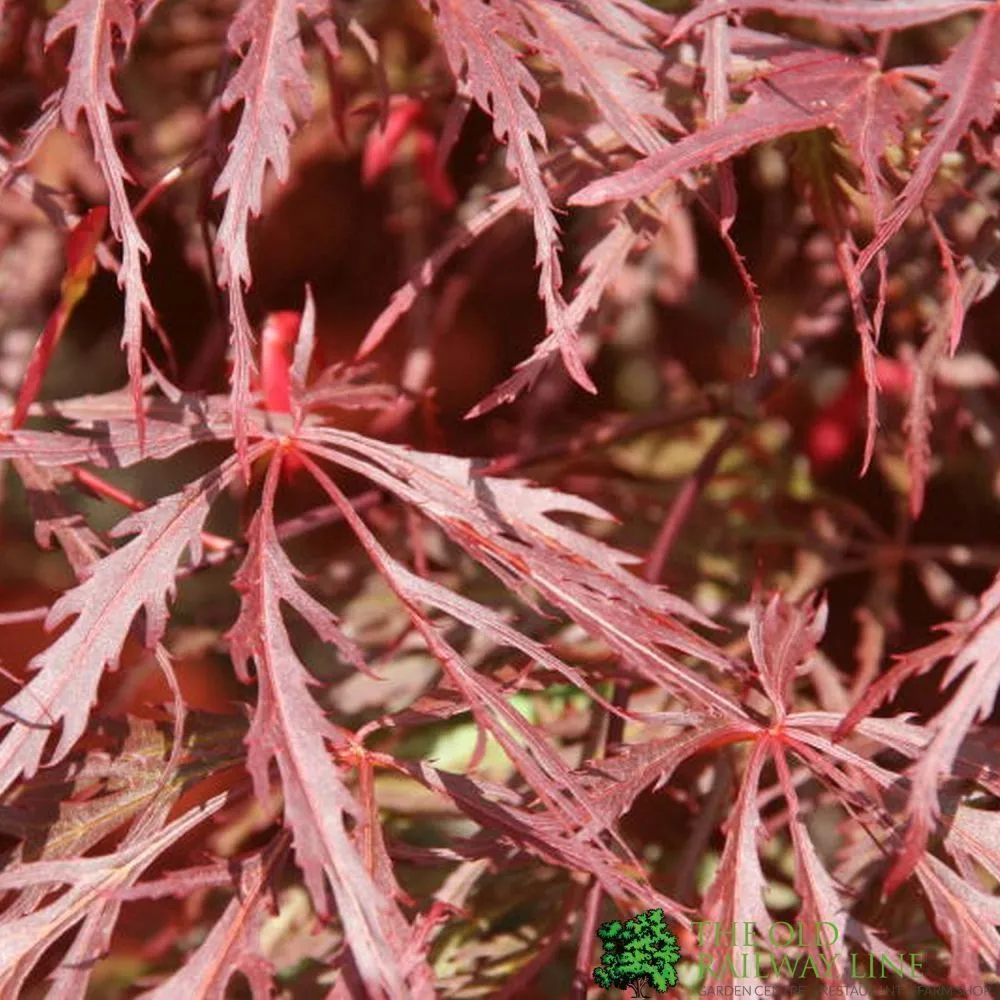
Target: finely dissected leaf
(967, 90)
(736, 896)
(963, 913)
(513, 823)
(783, 638)
(859, 779)
(89, 880)
(106, 435)
(180, 882)
(910, 739)
(495, 209)
(98, 27)
(616, 782)
(946, 331)
(53, 449)
(53, 519)
(716, 57)
(95, 934)
(138, 577)
(542, 768)
(569, 811)
(966, 917)
(498, 207)
(802, 92)
(973, 839)
(474, 37)
(875, 15)
(273, 87)
(603, 263)
(505, 525)
(487, 626)
(137, 785)
(823, 906)
(234, 943)
(288, 727)
(617, 74)
(961, 637)
(601, 266)
(130, 779)
(974, 659)
(632, 20)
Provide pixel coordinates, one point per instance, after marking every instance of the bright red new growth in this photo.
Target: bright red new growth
(277, 340)
(81, 263)
(300, 697)
(383, 144)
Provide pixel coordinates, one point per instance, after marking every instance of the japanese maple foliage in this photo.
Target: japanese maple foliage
(651, 628)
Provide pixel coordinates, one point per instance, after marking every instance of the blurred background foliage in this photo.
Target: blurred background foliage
(784, 507)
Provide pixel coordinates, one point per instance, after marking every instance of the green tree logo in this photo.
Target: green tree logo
(640, 950)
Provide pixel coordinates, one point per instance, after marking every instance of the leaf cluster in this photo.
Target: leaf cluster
(300, 698)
